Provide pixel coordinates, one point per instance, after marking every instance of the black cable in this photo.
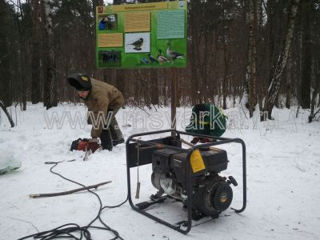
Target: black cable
(68, 230)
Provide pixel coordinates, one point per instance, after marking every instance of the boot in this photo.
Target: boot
(116, 134)
(106, 140)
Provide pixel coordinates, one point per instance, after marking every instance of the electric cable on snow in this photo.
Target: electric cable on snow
(70, 229)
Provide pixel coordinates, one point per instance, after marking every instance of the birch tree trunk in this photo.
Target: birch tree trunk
(274, 86)
(252, 56)
(50, 88)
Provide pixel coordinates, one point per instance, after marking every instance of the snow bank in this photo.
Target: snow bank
(9, 161)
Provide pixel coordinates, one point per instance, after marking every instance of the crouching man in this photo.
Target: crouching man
(103, 101)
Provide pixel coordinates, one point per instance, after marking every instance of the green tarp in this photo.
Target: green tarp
(207, 119)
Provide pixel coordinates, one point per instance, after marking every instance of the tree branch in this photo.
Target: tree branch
(6, 112)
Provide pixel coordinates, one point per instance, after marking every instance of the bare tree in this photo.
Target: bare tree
(306, 53)
(273, 90)
(3, 107)
(219, 38)
(50, 87)
(252, 55)
(35, 84)
(316, 89)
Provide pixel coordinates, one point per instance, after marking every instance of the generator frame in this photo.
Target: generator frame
(136, 156)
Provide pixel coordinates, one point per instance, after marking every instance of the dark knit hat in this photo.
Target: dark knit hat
(79, 81)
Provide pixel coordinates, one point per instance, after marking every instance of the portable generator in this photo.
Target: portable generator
(190, 176)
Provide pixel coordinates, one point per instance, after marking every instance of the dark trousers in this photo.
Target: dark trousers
(112, 135)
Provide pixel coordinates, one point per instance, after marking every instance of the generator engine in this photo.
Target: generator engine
(211, 193)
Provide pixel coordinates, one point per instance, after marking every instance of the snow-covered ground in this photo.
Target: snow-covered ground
(283, 177)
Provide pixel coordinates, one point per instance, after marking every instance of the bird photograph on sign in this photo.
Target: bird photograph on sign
(173, 55)
(110, 58)
(137, 42)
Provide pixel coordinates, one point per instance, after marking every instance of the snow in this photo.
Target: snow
(9, 161)
(283, 158)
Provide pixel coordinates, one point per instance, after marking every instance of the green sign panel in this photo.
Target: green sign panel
(148, 35)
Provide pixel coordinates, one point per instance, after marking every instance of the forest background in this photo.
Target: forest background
(266, 53)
